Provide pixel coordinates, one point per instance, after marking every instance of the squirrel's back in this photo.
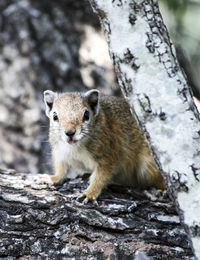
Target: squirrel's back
(117, 140)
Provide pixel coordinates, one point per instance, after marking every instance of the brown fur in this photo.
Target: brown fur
(116, 148)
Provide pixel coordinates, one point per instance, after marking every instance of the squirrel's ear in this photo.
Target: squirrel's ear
(92, 98)
(49, 99)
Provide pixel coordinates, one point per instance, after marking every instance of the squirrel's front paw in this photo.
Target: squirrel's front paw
(87, 198)
(44, 178)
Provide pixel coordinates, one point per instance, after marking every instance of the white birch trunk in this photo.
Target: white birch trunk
(150, 78)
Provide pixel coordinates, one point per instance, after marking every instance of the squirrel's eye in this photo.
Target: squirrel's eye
(86, 115)
(55, 116)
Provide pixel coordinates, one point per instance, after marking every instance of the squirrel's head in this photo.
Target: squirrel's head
(71, 114)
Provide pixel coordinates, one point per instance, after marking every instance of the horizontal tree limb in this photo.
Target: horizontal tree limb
(37, 220)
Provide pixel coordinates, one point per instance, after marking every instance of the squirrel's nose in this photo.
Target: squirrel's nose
(70, 133)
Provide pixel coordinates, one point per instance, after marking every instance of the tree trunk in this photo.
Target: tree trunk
(48, 223)
(150, 78)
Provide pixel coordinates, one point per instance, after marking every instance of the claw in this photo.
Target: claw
(95, 203)
(81, 198)
(43, 179)
(85, 200)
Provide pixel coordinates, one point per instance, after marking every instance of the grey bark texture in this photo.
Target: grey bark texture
(39, 222)
(41, 47)
(150, 78)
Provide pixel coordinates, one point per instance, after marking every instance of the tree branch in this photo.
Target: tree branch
(37, 220)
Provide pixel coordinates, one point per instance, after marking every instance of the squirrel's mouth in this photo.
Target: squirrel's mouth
(71, 141)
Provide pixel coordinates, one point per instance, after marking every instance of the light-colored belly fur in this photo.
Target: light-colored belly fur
(75, 157)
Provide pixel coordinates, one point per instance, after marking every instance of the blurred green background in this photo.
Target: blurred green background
(182, 18)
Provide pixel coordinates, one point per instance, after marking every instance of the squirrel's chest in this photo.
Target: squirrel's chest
(75, 156)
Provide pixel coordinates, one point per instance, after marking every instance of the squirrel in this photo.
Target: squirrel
(98, 134)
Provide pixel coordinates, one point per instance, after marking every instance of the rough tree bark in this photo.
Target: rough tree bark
(151, 80)
(43, 45)
(37, 222)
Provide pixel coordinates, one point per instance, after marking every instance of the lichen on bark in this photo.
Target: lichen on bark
(160, 99)
(47, 222)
